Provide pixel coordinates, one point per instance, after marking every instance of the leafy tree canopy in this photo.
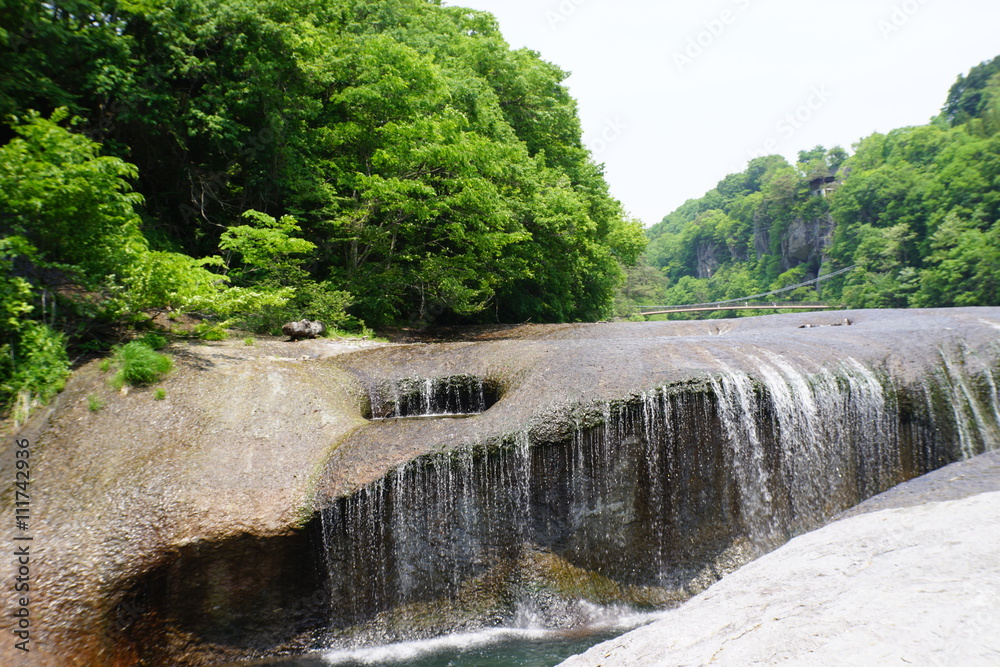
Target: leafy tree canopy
(264, 160)
(915, 211)
(436, 173)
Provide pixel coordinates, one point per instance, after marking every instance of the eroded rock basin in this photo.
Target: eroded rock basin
(261, 508)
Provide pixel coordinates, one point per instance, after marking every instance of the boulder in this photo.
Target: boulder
(303, 329)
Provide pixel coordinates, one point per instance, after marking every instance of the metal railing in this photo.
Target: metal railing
(680, 308)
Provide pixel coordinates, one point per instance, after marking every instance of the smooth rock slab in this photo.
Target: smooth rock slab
(916, 585)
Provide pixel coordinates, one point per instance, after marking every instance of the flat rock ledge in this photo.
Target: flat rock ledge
(916, 584)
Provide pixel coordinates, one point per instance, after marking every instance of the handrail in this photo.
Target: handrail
(759, 306)
(642, 309)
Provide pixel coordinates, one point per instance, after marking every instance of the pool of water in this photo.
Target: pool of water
(489, 648)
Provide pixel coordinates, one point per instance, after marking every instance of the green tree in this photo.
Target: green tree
(963, 267)
(966, 99)
(71, 249)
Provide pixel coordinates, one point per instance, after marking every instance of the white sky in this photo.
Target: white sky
(669, 123)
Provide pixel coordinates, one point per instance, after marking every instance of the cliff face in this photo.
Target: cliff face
(802, 241)
(806, 241)
(708, 259)
(241, 513)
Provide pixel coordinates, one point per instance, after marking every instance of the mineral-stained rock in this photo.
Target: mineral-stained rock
(303, 329)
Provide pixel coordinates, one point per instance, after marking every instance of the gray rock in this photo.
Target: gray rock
(303, 329)
(912, 585)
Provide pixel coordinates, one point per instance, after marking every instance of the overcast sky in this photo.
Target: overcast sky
(675, 95)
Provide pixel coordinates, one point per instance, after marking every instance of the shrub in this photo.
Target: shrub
(209, 331)
(33, 369)
(154, 341)
(138, 364)
(309, 300)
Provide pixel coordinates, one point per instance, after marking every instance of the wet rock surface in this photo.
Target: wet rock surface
(234, 470)
(911, 576)
(953, 482)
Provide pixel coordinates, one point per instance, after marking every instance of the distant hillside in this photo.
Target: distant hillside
(915, 211)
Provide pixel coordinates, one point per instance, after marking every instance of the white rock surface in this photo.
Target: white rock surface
(911, 586)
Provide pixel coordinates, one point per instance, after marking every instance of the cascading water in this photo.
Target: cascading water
(458, 395)
(972, 420)
(830, 440)
(649, 501)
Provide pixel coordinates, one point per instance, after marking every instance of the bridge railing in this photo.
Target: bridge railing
(645, 310)
(776, 305)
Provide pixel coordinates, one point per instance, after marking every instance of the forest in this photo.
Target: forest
(914, 214)
(252, 162)
(236, 164)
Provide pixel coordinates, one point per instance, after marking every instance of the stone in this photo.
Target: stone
(912, 584)
(303, 329)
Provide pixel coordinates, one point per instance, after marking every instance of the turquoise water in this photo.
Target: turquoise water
(495, 648)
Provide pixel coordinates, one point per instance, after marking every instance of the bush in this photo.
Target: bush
(33, 369)
(309, 300)
(138, 364)
(154, 341)
(209, 331)
(159, 281)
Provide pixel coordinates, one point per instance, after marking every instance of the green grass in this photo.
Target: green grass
(249, 342)
(94, 404)
(154, 341)
(138, 365)
(159, 394)
(365, 333)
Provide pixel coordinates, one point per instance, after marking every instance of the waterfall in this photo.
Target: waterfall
(457, 395)
(972, 420)
(653, 497)
(801, 448)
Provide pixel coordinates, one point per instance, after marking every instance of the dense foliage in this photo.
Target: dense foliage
(915, 211)
(72, 256)
(265, 160)
(433, 170)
